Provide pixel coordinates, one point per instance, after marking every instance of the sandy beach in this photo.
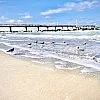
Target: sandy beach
(25, 80)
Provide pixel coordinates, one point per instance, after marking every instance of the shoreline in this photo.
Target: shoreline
(24, 80)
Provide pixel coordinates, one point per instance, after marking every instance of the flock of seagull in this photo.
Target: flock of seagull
(78, 48)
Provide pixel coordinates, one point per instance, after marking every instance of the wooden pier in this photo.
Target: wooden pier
(49, 27)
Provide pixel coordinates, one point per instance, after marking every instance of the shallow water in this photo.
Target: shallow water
(61, 53)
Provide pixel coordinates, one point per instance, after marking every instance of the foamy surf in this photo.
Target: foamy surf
(62, 51)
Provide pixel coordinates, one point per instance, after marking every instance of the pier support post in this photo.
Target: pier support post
(62, 28)
(47, 28)
(38, 28)
(55, 29)
(26, 29)
(10, 29)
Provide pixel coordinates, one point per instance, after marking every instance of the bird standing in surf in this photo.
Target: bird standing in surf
(11, 50)
(30, 45)
(42, 44)
(77, 50)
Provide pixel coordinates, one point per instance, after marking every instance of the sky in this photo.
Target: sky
(50, 12)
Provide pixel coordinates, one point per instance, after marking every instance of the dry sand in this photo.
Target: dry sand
(24, 80)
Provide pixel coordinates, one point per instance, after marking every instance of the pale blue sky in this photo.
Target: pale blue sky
(50, 11)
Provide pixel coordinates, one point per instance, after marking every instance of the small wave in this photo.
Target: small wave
(84, 62)
(88, 70)
(73, 35)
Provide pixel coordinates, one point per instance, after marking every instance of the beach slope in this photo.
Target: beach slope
(25, 80)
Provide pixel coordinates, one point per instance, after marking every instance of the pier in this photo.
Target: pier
(55, 28)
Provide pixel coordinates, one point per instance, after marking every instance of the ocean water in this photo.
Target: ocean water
(57, 48)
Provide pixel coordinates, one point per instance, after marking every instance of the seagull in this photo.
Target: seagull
(29, 45)
(84, 44)
(64, 42)
(77, 50)
(53, 43)
(11, 50)
(42, 44)
(36, 41)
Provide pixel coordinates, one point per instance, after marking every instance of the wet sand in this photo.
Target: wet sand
(25, 80)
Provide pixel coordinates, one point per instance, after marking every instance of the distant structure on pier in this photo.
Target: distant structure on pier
(76, 23)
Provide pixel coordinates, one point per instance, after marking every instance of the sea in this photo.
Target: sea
(57, 48)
